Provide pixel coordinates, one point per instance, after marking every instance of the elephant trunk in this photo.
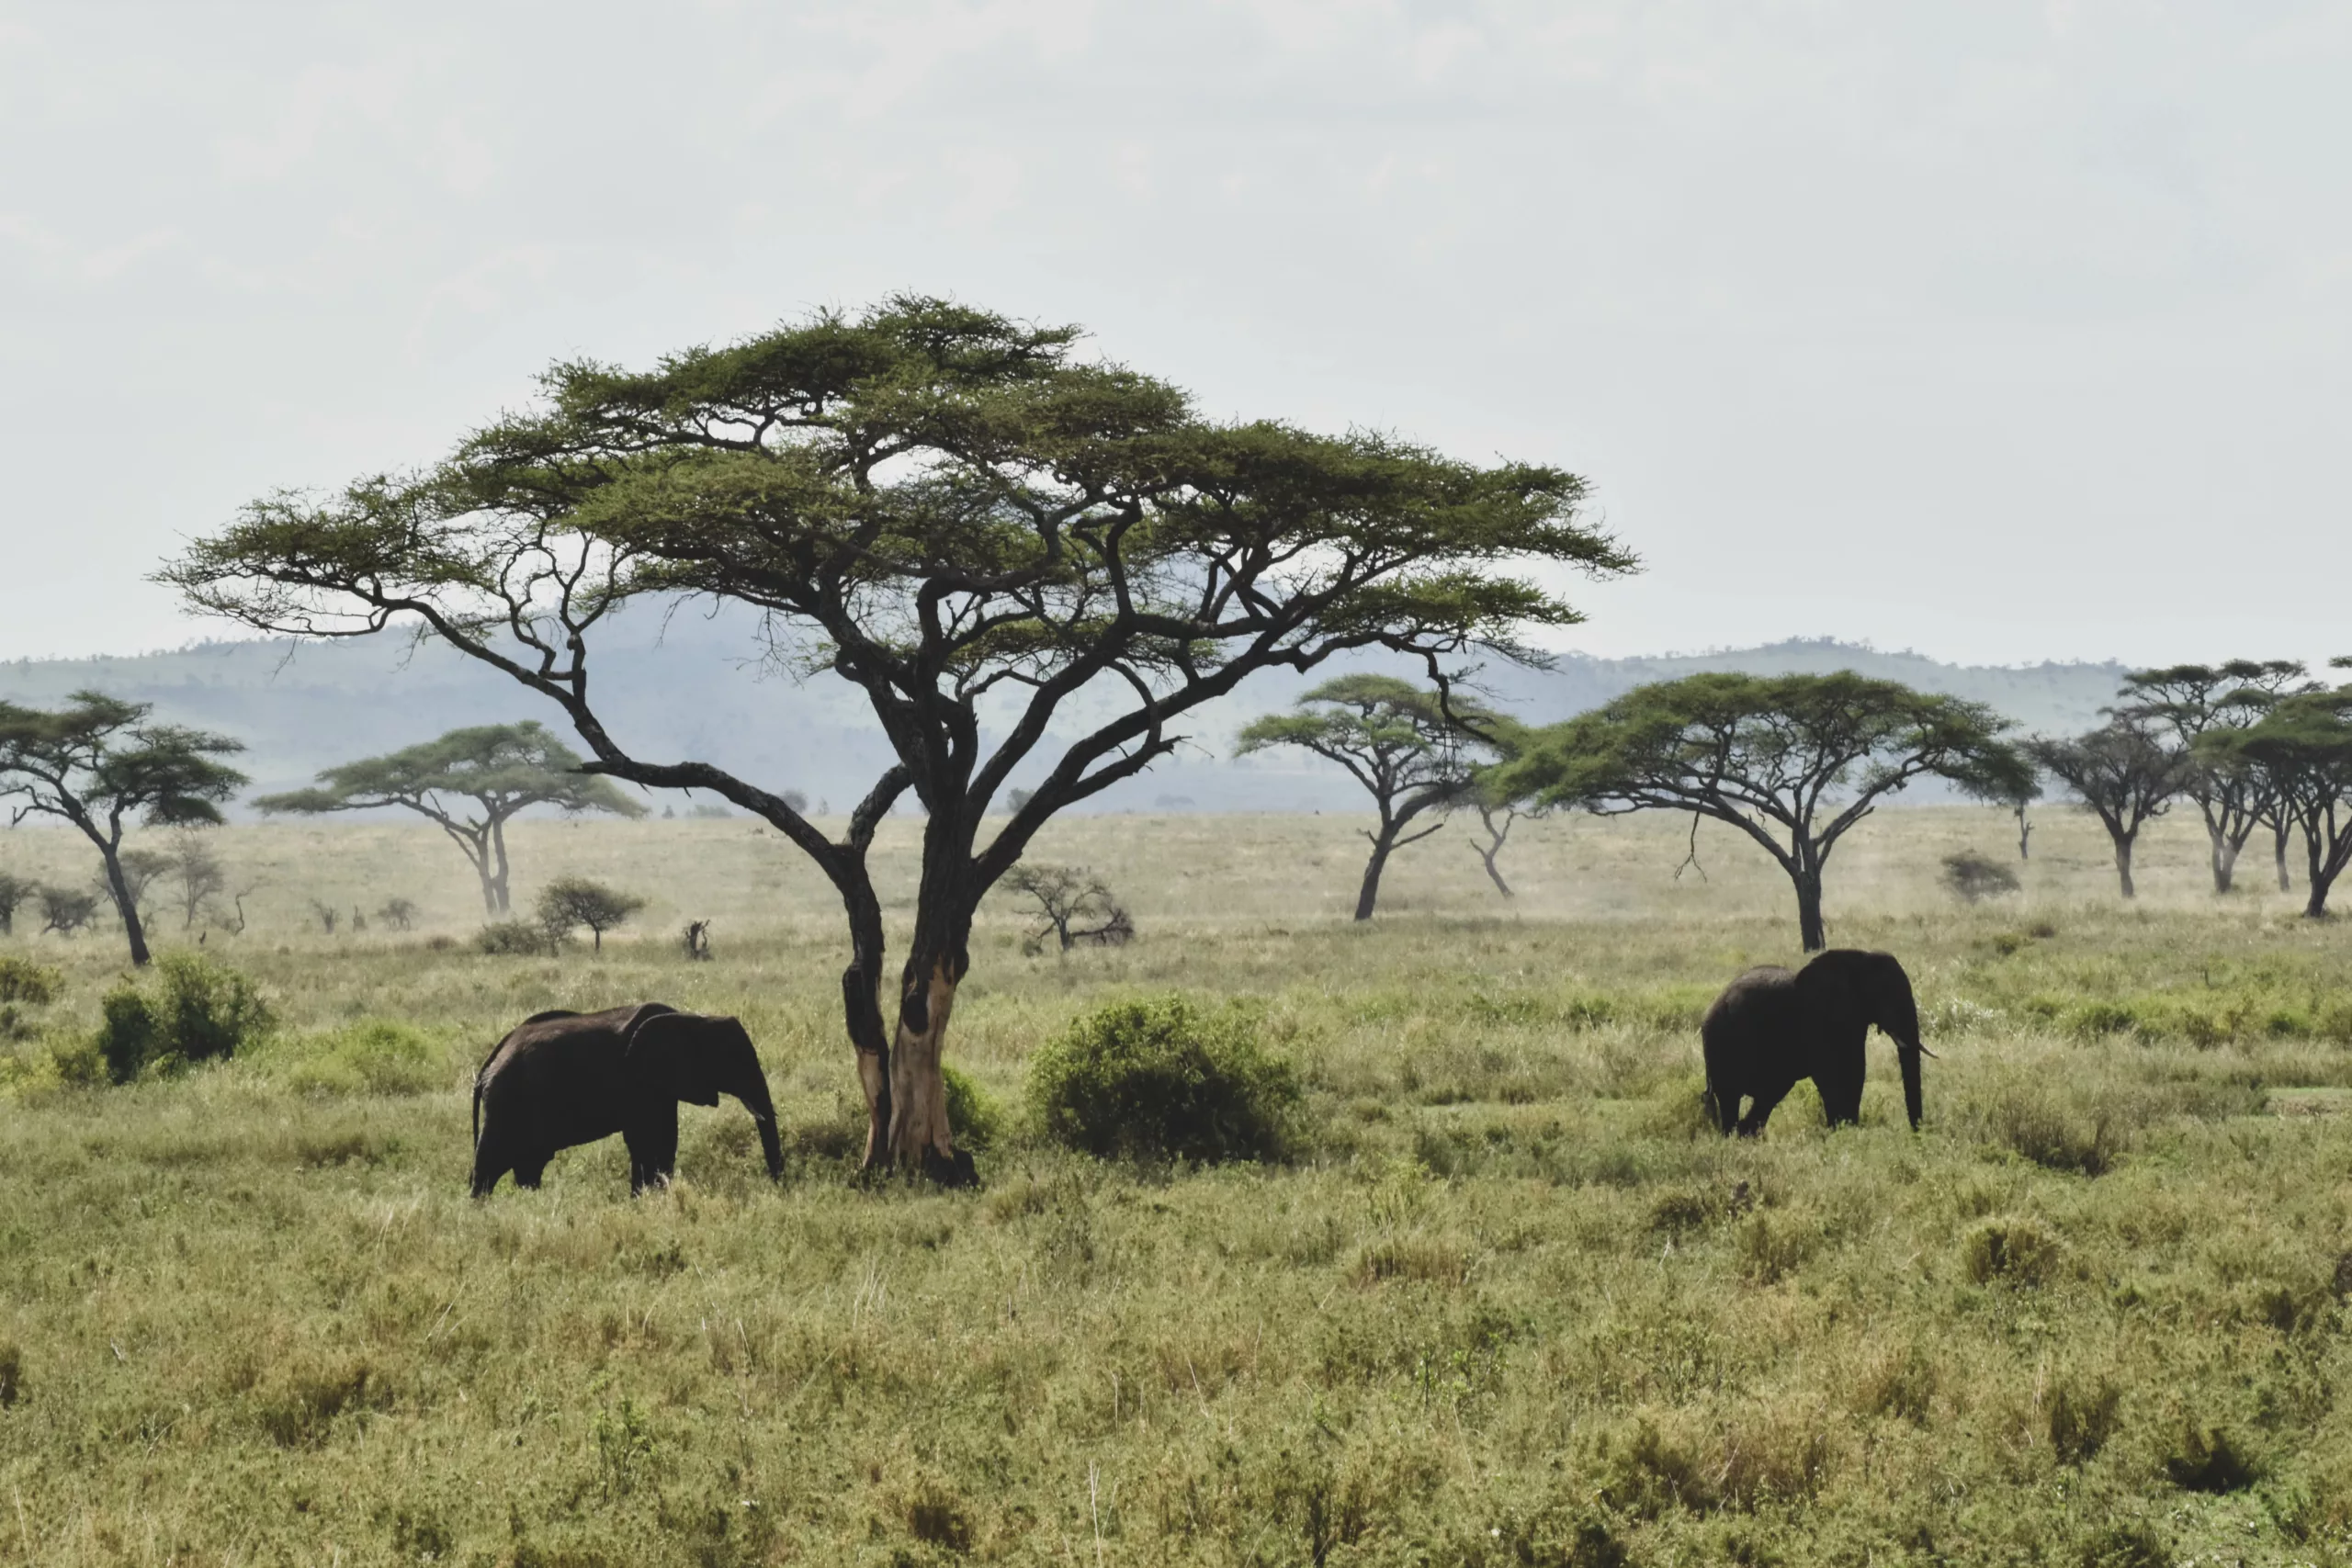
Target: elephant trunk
(1904, 1026)
(755, 1098)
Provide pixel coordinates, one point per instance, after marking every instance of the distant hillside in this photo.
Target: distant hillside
(695, 688)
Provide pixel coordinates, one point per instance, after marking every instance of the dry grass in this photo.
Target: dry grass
(1515, 1308)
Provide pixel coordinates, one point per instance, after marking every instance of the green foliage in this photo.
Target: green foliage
(370, 1055)
(517, 938)
(196, 1012)
(570, 902)
(24, 985)
(502, 768)
(1161, 1078)
(974, 1117)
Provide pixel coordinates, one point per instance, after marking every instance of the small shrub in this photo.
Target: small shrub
(973, 1116)
(2013, 1249)
(22, 980)
(2034, 1128)
(515, 938)
(2207, 1459)
(2082, 1418)
(298, 1410)
(1159, 1078)
(1974, 877)
(399, 913)
(1901, 1383)
(200, 1010)
(373, 1056)
(12, 1373)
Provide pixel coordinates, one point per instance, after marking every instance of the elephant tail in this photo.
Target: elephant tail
(477, 1112)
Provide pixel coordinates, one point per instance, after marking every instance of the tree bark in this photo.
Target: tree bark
(127, 907)
(1494, 875)
(1369, 894)
(2025, 836)
(2123, 864)
(498, 845)
(2225, 863)
(1811, 928)
(2278, 853)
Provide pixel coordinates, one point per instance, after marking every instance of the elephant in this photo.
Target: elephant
(1774, 1026)
(561, 1078)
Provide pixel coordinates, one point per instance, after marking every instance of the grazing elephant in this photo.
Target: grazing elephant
(1774, 1026)
(562, 1078)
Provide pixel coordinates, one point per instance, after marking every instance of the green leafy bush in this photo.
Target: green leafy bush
(198, 1010)
(1160, 1078)
(2207, 1459)
(2018, 1250)
(516, 939)
(374, 1056)
(22, 980)
(973, 1115)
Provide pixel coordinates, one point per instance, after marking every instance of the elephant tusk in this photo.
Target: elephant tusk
(1925, 1052)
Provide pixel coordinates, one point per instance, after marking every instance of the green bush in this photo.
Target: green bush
(1161, 1078)
(373, 1056)
(2207, 1459)
(22, 980)
(516, 939)
(200, 1010)
(973, 1115)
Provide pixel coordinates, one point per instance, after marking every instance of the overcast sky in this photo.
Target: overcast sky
(2000, 331)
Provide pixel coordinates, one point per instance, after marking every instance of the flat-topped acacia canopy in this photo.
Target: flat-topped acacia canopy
(947, 508)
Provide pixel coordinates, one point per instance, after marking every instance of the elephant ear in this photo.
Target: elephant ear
(669, 1053)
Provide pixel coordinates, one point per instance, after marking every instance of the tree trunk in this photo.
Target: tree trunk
(2123, 864)
(919, 1136)
(1369, 894)
(2278, 852)
(1811, 929)
(2024, 836)
(127, 907)
(497, 887)
(2322, 870)
(2226, 860)
(1494, 875)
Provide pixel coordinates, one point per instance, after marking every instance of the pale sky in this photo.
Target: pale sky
(2003, 332)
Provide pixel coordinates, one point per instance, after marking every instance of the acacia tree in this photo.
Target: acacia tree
(2189, 701)
(1793, 761)
(96, 764)
(498, 770)
(570, 902)
(2304, 748)
(1409, 747)
(2122, 773)
(956, 513)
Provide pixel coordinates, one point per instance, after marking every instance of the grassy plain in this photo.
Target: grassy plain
(1516, 1308)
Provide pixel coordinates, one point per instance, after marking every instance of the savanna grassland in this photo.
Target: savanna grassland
(1513, 1305)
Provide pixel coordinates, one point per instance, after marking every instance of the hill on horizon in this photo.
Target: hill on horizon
(693, 687)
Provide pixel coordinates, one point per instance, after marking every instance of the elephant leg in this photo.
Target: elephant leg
(1841, 1097)
(652, 1148)
(528, 1170)
(1722, 1110)
(1760, 1108)
(491, 1161)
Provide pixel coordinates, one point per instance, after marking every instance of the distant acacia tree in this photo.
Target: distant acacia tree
(945, 508)
(2303, 746)
(1793, 761)
(470, 782)
(570, 902)
(197, 874)
(66, 910)
(1076, 906)
(99, 764)
(2123, 773)
(2188, 701)
(1412, 747)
